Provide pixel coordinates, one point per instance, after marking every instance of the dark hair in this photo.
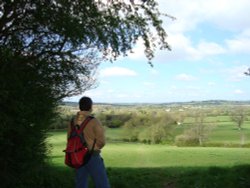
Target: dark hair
(85, 104)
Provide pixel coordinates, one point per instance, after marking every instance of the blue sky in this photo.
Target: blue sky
(210, 43)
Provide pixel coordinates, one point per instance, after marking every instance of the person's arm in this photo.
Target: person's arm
(99, 134)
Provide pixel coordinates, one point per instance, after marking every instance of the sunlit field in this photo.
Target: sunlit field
(223, 160)
(156, 165)
(136, 155)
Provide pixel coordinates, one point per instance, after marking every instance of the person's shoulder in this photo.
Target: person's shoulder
(94, 120)
(91, 117)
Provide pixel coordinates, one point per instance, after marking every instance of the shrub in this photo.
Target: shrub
(186, 140)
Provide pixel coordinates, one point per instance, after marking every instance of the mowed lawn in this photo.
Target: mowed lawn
(135, 155)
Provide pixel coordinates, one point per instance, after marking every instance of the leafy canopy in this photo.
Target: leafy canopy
(63, 38)
(49, 50)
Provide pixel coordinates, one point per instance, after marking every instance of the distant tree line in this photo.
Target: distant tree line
(156, 125)
(145, 126)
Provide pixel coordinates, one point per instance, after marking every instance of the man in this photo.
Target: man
(93, 131)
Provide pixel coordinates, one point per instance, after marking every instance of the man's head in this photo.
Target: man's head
(85, 104)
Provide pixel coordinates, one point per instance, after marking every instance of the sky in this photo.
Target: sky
(210, 43)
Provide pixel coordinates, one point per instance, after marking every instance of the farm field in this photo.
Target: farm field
(214, 123)
(224, 134)
(160, 165)
(157, 155)
(223, 161)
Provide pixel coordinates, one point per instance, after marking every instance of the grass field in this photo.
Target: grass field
(137, 165)
(224, 132)
(116, 155)
(140, 165)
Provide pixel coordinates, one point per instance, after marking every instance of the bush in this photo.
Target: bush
(226, 145)
(41, 177)
(186, 140)
(26, 110)
(113, 120)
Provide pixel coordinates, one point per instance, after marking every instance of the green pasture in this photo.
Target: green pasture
(223, 133)
(140, 165)
(147, 156)
(227, 133)
(136, 155)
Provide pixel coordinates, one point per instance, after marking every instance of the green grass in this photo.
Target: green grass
(138, 165)
(115, 133)
(118, 154)
(222, 133)
(227, 133)
(147, 156)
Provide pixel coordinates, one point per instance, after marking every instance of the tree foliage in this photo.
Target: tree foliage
(197, 133)
(161, 128)
(135, 125)
(238, 115)
(49, 49)
(26, 111)
(150, 128)
(247, 72)
(59, 30)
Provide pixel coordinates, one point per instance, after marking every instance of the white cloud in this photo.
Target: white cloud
(241, 43)
(238, 91)
(117, 71)
(230, 15)
(185, 77)
(209, 48)
(186, 12)
(184, 49)
(227, 14)
(138, 51)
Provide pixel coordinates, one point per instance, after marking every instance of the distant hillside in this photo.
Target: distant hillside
(193, 103)
(210, 102)
(67, 103)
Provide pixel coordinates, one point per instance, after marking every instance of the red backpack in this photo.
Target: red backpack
(77, 153)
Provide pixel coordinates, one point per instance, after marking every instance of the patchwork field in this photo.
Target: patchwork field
(223, 161)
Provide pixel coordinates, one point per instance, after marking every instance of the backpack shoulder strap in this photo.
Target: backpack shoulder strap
(85, 122)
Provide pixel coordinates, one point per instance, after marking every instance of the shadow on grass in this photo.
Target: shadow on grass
(235, 177)
(174, 177)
